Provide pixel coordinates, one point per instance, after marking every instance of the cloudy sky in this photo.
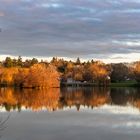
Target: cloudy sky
(108, 30)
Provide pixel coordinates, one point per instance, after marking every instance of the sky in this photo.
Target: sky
(107, 30)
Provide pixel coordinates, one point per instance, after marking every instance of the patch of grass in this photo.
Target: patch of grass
(125, 84)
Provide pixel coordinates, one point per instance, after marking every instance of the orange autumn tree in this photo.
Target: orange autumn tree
(99, 73)
(36, 76)
(53, 76)
(7, 76)
(137, 71)
(21, 76)
(39, 75)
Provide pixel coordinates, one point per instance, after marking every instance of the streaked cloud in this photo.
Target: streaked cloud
(67, 28)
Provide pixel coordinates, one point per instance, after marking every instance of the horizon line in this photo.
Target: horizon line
(39, 58)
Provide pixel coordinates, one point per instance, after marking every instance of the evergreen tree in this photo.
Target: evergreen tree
(78, 62)
(8, 62)
(19, 61)
(34, 61)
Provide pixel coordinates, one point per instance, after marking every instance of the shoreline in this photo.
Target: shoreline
(111, 85)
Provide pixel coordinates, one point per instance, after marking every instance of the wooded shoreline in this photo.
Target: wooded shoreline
(59, 73)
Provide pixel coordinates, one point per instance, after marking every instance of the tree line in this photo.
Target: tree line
(33, 73)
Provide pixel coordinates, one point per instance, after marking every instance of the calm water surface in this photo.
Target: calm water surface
(70, 113)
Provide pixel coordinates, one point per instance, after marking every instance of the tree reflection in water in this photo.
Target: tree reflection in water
(30, 99)
(90, 97)
(55, 99)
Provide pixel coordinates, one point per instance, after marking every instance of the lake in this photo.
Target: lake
(70, 113)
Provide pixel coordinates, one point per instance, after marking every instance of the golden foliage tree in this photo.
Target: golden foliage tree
(99, 72)
(7, 75)
(137, 71)
(21, 76)
(38, 76)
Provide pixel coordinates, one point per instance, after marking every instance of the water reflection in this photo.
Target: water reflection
(13, 99)
(55, 99)
(89, 97)
(125, 96)
(3, 123)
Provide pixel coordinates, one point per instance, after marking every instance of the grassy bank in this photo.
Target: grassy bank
(125, 84)
(118, 84)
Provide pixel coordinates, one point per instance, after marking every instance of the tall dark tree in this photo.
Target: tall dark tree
(34, 61)
(120, 72)
(54, 61)
(8, 62)
(78, 62)
(19, 61)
